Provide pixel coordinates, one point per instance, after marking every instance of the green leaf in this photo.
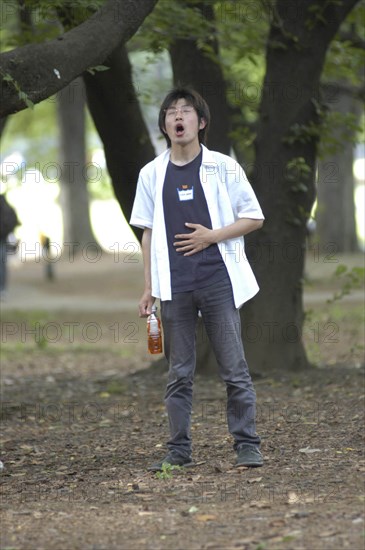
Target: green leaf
(100, 68)
(341, 269)
(300, 187)
(29, 103)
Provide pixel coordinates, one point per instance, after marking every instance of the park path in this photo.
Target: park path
(25, 297)
(108, 285)
(113, 284)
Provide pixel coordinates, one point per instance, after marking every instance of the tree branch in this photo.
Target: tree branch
(41, 70)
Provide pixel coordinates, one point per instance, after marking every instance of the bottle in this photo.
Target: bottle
(154, 332)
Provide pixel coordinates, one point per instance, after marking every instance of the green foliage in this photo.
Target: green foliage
(336, 129)
(101, 189)
(297, 173)
(242, 33)
(345, 61)
(317, 12)
(351, 279)
(152, 76)
(43, 20)
(298, 216)
(303, 133)
(116, 387)
(167, 471)
(32, 133)
(35, 135)
(344, 67)
(36, 323)
(168, 22)
(331, 131)
(333, 331)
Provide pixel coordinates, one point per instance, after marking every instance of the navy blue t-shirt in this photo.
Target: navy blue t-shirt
(184, 201)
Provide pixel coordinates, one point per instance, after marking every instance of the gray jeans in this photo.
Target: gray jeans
(223, 326)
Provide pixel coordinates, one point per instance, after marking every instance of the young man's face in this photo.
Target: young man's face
(182, 123)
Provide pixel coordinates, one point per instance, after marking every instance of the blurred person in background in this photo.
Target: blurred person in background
(8, 222)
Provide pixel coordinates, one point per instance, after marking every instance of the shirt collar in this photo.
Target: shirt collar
(207, 158)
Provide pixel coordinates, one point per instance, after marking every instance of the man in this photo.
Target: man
(194, 206)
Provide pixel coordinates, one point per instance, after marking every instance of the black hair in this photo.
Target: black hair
(192, 98)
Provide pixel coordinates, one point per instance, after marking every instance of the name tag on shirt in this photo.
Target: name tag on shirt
(185, 193)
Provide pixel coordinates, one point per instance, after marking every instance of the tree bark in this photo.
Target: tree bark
(335, 216)
(193, 67)
(287, 131)
(2, 125)
(62, 60)
(73, 168)
(115, 109)
(25, 17)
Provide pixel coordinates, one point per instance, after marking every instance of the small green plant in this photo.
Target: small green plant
(167, 470)
(116, 387)
(41, 340)
(351, 279)
(297, 172)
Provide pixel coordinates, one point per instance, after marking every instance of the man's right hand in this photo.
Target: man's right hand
(145, 304)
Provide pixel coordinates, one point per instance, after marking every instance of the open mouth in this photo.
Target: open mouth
(179, 129)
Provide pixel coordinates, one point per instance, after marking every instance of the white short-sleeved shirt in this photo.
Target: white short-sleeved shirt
(229, 197)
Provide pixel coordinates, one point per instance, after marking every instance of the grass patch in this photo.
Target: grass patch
(62, 330)
(116, 387)
(334, 333)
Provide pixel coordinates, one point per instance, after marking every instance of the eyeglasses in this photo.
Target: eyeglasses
(172, 111)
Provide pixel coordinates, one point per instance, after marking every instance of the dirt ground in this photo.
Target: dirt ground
(83, 416)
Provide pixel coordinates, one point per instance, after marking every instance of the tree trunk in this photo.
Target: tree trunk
(287, 132)
(25, 17)
(60, 61)
(193, 67)
(205, 75)
(120, 124)
(73, 167)
(3, 122)
(335, 217)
